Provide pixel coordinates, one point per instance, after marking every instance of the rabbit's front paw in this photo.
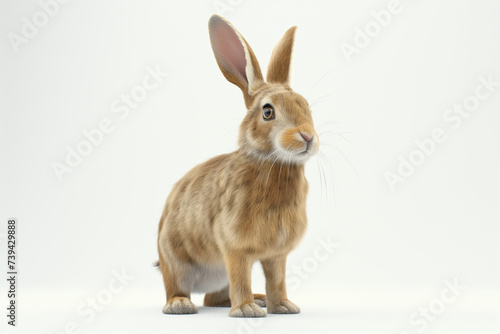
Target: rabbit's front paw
(285, 307)
(247, 311)
(180, 305)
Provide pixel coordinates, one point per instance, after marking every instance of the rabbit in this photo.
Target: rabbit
(245, 206)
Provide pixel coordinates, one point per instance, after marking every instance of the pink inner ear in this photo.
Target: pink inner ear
(229, 50)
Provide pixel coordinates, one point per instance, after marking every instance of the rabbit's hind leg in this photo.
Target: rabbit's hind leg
(178, 301)
(218, 298)
(221, 298)
(260, 299)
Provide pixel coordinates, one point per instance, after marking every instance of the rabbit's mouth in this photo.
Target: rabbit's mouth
(305, 151)
(308, 146)
(305, 154)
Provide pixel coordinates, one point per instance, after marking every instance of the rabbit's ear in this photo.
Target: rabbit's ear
(279, 66)
(234, 56)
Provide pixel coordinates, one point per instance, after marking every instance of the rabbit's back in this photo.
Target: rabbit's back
(186, 225)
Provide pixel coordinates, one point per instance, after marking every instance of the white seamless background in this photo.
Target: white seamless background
(421, 258)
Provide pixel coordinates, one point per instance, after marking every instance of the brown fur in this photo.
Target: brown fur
(246, 206)
(279, 66)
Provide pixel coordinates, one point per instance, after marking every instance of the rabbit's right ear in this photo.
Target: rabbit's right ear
(234, 56)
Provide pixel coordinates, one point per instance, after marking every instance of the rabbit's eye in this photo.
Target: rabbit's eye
(268, 112)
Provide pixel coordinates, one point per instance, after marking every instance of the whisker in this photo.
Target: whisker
(322, 125)
(329, 164)
(330, 122)
(270, 168)
(266, 157)
(316, 158)
(288, 161)
(327, 187)
(279, 175)
(281, 166)
(329, 132)
(332, 174)
(319, 80)
(344, 156)
(340, 134)
(319, 99)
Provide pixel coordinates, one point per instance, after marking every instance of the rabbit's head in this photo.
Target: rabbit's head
(278, 124)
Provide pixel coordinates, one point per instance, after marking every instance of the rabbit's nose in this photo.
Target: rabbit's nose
(306, 137)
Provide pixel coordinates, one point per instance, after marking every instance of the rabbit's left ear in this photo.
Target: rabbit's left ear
(279, 66)
(234, 56)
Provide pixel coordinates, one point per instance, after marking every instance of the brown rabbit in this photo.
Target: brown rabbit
(246, 206)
